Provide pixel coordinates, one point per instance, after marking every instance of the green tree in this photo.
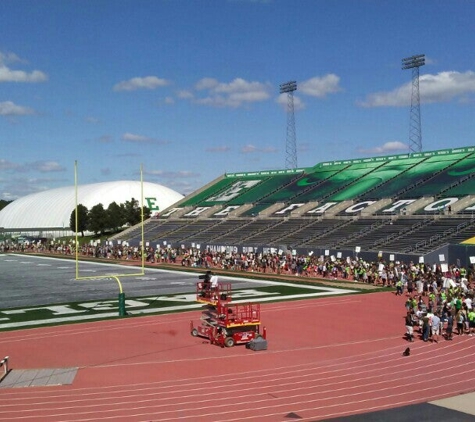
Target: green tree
(146, 213)
(97, 219)
(83, 219)
(4, 203)
(115, 216)
(132, 212)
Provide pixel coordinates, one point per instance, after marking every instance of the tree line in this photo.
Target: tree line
(100, 220)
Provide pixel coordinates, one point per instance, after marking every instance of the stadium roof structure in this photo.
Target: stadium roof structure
(53, 208)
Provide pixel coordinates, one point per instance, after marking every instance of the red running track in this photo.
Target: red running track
(326, 358)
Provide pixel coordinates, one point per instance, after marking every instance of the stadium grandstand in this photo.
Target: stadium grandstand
(47, 213)
(410, 205)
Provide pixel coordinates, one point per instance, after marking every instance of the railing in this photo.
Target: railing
(4, 363)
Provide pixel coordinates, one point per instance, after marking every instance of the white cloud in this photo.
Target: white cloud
(92, 120)
(16, 187)
(140, 139)
(7, 165)
(131, 137)
(106, 139)
(9, 75)
(250, 149)
(442, 87)
(42, 166)
(9, 58)
(147, 82)
(386, 148)
(219, 149)
(298, 103)
(320, 87)
(206, 83)
(46, 166)
(232, 94)
(8, 108)
(164, 174)
(185, 94)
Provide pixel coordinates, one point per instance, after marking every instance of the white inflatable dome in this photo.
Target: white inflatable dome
(53, 208)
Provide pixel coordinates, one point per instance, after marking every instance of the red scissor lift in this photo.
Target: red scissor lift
(225, 323)
(229, 324)
(213, 295)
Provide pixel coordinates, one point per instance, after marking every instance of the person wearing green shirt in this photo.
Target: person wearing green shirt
(471, 322)
(399, 288)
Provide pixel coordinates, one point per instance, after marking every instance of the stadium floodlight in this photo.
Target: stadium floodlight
(290, 86)
(415, 132)
(291, 140)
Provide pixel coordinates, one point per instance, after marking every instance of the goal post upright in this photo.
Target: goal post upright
(122, 310)
(142, 219)
(76, 246)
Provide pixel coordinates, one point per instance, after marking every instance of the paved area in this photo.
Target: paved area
(18, 378)
(455, 409)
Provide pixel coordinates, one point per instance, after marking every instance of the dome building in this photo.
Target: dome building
(49, 212)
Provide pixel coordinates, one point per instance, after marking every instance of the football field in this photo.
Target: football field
(43, 291)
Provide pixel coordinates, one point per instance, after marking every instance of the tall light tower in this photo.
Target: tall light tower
(291, 142)
(415, 134)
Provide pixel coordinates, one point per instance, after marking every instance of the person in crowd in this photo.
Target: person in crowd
(460, 322)
(471, 322)
(410, 326)
(399, 288)
(450, 326)
(425, 327)
(435, 327)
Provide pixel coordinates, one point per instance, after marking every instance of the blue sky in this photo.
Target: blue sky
(190, 89)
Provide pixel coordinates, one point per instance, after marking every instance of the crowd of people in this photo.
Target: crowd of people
(441, 308)
(417, 278)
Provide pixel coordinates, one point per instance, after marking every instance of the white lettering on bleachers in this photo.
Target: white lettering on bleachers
(441, 203)
(224, 212)
(322, 208)
(359, 207)
(235, 190)
(288, 208)
(399, 204)
(170, 212)
(197, 211)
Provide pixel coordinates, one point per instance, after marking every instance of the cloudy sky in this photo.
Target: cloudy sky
(190, 89)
